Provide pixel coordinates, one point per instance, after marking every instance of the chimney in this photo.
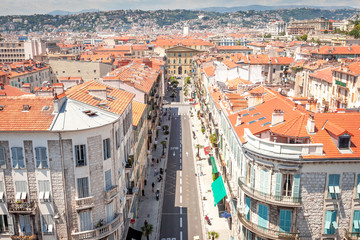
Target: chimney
(238, 120)
(98, 91)
(58, 88)
(311, 124)
(277, 117)
(26, 87)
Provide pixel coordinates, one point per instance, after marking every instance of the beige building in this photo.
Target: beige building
(179, 60)
(306, 26)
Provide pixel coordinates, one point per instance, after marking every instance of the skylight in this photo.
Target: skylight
(112, 97)
(256, 114)
(2, 107)
(253, 121)
(262, 118)
(267, 123)
(90, 113)
(45, 108)
(97, 99)
(244, 115)
(251, 108)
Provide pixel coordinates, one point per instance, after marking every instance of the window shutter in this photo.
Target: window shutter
(20, 157)
(252, 175)
(44, 162)
(248, 204)
(333, 220)
(2, 157)
(328, 217)
(84, 152)
(37, 156)
(10, 225)
(104, 149)
(108, 183)
(80, 188)
(108, 148)
(261, 181)
(278, 186)
(14, 157)
(296, 188)
(22, 223)
(285, 220)
(356, 221)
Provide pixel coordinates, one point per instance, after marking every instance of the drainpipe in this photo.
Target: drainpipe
(63, 179)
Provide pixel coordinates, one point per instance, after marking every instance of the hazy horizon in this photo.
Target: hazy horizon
(16, 7)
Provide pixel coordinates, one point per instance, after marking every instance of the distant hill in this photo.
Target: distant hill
(61, 12)
(266, 8)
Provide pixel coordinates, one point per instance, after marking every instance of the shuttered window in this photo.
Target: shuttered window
(44, 190)
(41, 157)
(83, 187)
(110, 211)
(21, 190)
(2, 157)
(108, 183)
(334, 186)
(48, 224)
(263, 215)
(285, 220)
(106, 148)
(17, 157)
(247, 208)
(296, 188)
(85, 221)
(356, 221)
(358, 186)
(330, 222)
(278, 186)
(80, 155)
(25, 224)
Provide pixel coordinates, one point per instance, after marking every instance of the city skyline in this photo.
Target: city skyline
(44, 7)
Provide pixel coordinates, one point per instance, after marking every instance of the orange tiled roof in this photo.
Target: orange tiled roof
(237, 47)
(137, 111)
(329, 50)
(13, 118)
(351, 69)
(323, 74)
(232, 84)
(121, 99)
(209, 71)
(8, 90)
(230, 64)
(295, 127)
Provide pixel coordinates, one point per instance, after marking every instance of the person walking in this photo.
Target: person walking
(153, 186)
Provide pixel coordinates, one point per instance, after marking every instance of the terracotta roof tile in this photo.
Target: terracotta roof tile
(137, 111)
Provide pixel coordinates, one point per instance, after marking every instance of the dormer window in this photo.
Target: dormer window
(344, 141)
(26, 108)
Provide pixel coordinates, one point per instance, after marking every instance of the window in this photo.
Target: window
(107, 148)
(83, 187)
(358, 187)
(247, 208)
(110, 214)
(287, 185)
(80, 155)
(44, 190)
(25, 224)
(21, 190)
(344, 141)
(94, 71)
(263, 216)
(4, 226)
(85, 221)
(264, 181)
(330, 222)
(2, 157)
(285, 220)
(48, 224)
(333, 186)
(17, 157)
(41, 158)
(117, 139)
(356, 222)
(108, 183)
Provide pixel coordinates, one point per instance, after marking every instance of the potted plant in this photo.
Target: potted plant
(147, 229)
(198, 146)
(213, 235)
(100, 223)
(213, 139)
(203, 129)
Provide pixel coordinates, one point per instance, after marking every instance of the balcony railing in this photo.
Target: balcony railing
(22, 208)
(266, 232)
(352, 235)
(101, 232)
(283, 148)
(112, 193)
(83, 203)
(269, 198)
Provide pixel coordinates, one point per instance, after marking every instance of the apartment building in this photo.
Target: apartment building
(21, 50)
(63, 161)
(288, 173)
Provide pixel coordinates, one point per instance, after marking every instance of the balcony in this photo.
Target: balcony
(101, 232)
(281, 150)
(83, 203)
(352, 235)
(269, 198)
(265, 232)
(22, 207)
(111, 194)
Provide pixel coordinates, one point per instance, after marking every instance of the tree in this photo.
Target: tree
(163, 143)
(147, 230)
(267, 35)
(213, 235)
(304, 37)
(198, 146)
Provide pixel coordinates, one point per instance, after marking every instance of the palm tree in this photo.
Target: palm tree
(163, 145)
(213, 235)
(147, 230)
(198, 146)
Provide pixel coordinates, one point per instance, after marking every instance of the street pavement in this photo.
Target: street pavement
(185, 191)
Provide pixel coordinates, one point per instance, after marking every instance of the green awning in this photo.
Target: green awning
(218, 189)
(213, 165)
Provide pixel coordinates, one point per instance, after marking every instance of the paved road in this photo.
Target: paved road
(180, 212)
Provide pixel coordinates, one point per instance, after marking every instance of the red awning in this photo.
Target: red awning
(207, 150)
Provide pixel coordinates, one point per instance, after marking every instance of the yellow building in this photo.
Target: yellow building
(179, 60)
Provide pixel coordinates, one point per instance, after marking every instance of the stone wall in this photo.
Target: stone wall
(346, 197)
(310, 216)
(97, 178)
(9, 182)
(58, 195)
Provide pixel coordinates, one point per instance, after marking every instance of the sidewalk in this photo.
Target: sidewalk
(204, 172)
(149, 207)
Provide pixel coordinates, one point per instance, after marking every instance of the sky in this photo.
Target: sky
(26, 7)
